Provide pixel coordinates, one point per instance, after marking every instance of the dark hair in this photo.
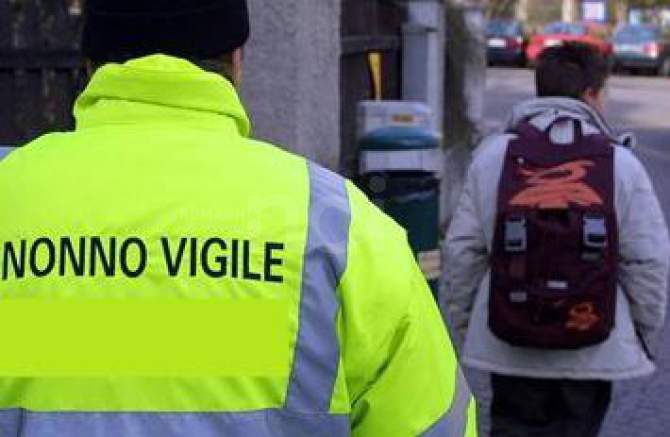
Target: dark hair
(569, 70)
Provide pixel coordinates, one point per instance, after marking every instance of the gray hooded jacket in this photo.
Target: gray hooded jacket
(643, 270)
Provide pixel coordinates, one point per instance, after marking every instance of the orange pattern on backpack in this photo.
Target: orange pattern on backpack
(557, 187)
(582, 317)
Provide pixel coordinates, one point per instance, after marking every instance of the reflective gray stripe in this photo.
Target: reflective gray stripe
(266, 423)
(4, 151)
(317, 352)
(10, 423)
(454, 422)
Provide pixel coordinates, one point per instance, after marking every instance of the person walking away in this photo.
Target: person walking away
(557, 257)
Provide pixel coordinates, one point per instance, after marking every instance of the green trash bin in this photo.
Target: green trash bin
(399, 171)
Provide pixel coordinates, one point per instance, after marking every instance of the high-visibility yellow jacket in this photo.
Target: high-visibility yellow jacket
(161, 196)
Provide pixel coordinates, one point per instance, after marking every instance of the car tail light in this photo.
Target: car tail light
(515, 43)
(652, 49)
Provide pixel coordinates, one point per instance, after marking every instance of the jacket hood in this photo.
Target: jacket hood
(543, 112)
(158, 87)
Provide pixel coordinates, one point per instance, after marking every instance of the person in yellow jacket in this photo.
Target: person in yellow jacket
(164, 275)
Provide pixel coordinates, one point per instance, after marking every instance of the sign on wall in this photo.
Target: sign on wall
(594, 10)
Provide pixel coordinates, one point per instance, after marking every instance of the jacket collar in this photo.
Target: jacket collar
(545, 111)
(158, 87)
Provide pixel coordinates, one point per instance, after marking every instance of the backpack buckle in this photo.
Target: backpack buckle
(516, 237)
(595, 232)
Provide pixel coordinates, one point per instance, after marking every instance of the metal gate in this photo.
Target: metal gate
(41, 70)
(367, 26)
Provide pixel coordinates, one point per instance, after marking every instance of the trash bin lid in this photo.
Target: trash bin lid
(399, 138)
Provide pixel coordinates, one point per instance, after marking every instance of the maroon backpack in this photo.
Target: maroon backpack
(555, 249)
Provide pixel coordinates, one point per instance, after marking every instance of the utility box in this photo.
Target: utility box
(424, 52)
(400, 173)
(377, 114)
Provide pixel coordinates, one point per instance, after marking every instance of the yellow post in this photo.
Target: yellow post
(375, 63)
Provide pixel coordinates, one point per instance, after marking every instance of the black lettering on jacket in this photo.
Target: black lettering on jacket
(42, 271)
(271, 261)
(221, 261)
(142, 264)
(107, 258)
(173, 264)
(248, 274)
(18, 261)
(77, 261)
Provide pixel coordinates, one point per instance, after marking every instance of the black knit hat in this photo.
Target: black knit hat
(118, 30)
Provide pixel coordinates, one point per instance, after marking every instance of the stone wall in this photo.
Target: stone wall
(291, 76)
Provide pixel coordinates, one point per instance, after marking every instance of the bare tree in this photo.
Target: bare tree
(570, 10)
(501, 8)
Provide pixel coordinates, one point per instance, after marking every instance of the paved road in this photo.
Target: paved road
(640, 408)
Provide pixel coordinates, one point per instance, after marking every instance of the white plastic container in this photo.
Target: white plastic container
(377, 114)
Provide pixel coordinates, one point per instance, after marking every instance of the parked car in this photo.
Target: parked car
(507, 42)
(558, 33)
(642, 47)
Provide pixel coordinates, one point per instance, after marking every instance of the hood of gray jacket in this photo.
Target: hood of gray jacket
(543, 113)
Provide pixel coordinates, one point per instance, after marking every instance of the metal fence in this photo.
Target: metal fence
(367, 26)
(41, 70)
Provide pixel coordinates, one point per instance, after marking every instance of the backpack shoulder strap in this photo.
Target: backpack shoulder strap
(527, 130)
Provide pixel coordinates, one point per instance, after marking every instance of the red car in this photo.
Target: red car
(558, 33)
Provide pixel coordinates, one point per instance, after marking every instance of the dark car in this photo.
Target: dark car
(506, 41)
(642, 47)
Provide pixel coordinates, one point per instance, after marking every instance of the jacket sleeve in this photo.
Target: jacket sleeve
(466, 258)
(644, 251)
(402, 374)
